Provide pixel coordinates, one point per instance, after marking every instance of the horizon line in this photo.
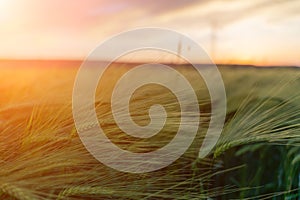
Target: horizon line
(138, 62)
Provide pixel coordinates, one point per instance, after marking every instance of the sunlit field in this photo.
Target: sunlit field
(42, 156)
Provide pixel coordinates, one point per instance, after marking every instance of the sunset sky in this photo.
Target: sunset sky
(261, 32)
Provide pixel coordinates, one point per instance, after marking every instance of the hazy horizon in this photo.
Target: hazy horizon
(65, 63)
(260, 32)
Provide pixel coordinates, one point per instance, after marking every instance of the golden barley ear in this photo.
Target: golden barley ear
(9, 190)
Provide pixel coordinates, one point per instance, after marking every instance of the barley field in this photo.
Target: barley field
(42, 156)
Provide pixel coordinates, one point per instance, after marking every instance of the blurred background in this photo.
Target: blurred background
(258, 32)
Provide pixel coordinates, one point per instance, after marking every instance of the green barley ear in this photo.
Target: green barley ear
(268, 113)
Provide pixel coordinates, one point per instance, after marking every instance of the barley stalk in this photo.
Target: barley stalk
(85, 190)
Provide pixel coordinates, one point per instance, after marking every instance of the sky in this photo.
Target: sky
(259, 32)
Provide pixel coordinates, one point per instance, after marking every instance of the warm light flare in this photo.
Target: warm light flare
(4, 9)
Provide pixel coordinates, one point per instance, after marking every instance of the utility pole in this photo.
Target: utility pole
(179, 49)
(213, 39)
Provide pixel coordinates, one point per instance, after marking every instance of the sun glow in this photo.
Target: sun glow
(3, 2)
(4, 10)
